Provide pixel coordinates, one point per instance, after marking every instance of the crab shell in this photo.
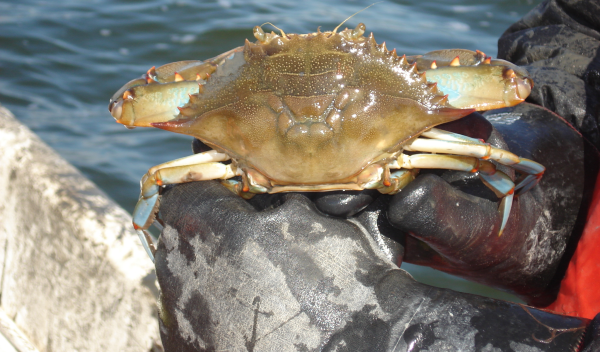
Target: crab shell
(304, 111)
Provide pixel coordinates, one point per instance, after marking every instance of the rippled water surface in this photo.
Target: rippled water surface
(61, 61)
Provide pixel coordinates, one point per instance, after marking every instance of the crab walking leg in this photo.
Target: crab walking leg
(436, 133)
(450, 145)
(198, 167)
(496, 180)
(500, 183)
(200, 158)
(397, 180)
(534, 169)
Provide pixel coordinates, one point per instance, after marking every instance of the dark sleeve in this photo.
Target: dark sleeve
(558, 44)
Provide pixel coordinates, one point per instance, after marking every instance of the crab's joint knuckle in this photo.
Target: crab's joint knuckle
(386, 176)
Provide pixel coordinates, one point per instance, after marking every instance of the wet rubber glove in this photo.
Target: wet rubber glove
(275, 273)
(450, 220)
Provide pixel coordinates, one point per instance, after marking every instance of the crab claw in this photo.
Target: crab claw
(141, 105)
(156, 96)
(473, 80)
(483, 87)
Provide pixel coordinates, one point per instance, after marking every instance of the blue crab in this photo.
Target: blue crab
(323, 111)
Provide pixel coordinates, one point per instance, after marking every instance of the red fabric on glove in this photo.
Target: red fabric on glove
(579, 293)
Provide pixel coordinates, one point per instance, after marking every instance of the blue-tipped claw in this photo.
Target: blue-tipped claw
(144, 211)
(143, 215)
(528, 183)
(145, 237)
(505, 207)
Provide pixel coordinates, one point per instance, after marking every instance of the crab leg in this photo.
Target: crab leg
(496, 180)
(441, 141)
(451, 143)
(436, 133)
(197, 167)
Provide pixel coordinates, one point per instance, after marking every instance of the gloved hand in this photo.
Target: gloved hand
(277, 274)
(452, 219)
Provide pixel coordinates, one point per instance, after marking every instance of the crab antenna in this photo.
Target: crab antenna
(279, 29)
(356, 13)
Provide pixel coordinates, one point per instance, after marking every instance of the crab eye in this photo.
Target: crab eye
(259, 34)
(358, 31)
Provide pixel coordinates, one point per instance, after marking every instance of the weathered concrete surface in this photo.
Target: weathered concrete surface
(73, 276)
(12, 337)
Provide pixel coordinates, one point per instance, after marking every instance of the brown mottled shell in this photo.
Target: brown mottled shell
(313, 108)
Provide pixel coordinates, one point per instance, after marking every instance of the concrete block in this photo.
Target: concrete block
(73, 275)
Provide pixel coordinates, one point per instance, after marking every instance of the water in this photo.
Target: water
(60, 62)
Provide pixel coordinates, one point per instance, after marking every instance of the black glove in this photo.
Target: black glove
(277, 274)
(558, 42)
(452, 219)
(461, 230)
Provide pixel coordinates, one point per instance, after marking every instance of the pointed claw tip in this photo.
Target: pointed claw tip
(433, 65)
(151, 75)
(524, 87)
(116, 110)
(455, 62)
(509, 73)
(127, 95)
(178, 77)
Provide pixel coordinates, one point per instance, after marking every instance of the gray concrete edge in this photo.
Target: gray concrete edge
(73, 275)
